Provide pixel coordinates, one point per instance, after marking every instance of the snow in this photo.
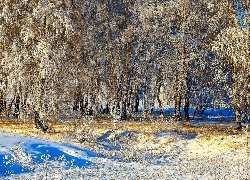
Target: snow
(38, 149)
(178, 136)
(189, 157)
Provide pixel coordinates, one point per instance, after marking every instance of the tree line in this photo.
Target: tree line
(91, 57)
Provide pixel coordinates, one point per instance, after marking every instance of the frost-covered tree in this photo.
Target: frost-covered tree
(36, 52)
(233, 45)
(78, 58)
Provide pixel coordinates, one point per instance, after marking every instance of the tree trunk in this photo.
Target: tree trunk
(90, 107)
(178, 106)
(80, 105)
(24, 104)
(125, 81)
(236, 96)
(236, 104)
(77, 100)
(158, 97)
(8, 112)
(245, 110)
(38, 109)
(237, 117)
(106, 110)
(136, 103)
(123, 115)
(117, 107)
(16, 106)
(2, 102)
(83, 105)
(76, 106)
(37, 120)
(187, 97)
(145, 98)
(130, 100)
(124, 108)
(182, 68)
(186, 107)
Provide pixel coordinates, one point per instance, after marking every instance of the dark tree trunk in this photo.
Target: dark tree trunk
(124, 100)
(125, 81)
(187, 97)
(136, 105)
(245, 110)
(10, 107)
(186, 108)
(75, 107)
(145, 99)
(17, 106)
(117, 103)
(24, 103)
(37, 119)
(124, 110)
(83, 105)
(2, 102)
(93, 104)
(177, 109)
(78, 103)
(237, 117)
(125, 66)
(130, 99)
(40, 124)
(106, 110)
(158, 98)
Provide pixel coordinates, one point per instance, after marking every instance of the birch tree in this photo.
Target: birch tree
(233, 45)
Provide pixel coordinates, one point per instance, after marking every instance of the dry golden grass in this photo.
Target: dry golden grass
(211, 139)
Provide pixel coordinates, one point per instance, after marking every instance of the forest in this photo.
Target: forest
(124, 89)
(80, 58)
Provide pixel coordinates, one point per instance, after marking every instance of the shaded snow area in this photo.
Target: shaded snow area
(114, 157)
(21, 155)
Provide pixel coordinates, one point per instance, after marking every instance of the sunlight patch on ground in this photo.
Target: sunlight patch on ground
(149, 134)
(153, 150)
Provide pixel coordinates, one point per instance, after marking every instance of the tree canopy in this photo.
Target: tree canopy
(68, 57)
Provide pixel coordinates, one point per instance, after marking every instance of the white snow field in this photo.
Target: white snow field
(29, 158)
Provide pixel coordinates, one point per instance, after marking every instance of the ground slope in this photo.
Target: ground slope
(159, 149)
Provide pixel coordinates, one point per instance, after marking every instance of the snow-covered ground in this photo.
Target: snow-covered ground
(29, 158)
(20, 155)
(118, 153)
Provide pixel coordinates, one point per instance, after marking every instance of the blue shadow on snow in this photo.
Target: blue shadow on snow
(55, 153)
(7, 169)
(37, 152)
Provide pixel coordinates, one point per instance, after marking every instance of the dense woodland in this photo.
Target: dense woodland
(91, 57)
